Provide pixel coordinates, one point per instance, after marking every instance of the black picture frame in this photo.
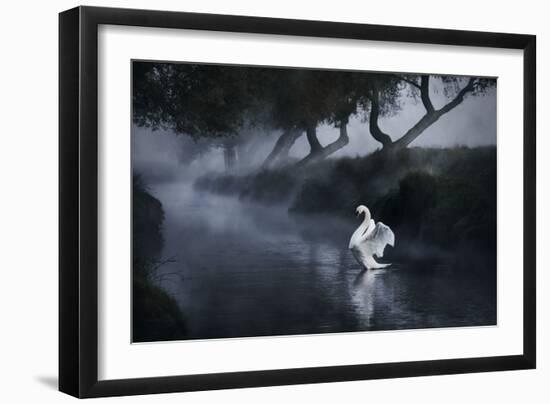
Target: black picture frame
(78, 201)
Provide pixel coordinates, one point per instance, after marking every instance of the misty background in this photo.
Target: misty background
(471, 124)
(245, 184)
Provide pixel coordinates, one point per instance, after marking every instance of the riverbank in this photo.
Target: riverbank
(251, 269)
(440, 201)
(156, 315)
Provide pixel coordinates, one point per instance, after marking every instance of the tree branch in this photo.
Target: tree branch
(406, 80)
(432, 116)
(459, 97)
(158, 264)
(425, 93)
(326, 151)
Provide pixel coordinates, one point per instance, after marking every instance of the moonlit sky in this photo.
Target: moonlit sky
(472, 123)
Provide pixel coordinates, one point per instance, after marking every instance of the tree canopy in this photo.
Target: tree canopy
(220, 101)
(191, 99)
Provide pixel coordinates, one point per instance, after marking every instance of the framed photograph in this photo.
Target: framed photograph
(251, 201)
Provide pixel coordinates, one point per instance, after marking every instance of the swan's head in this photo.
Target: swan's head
(362, 209)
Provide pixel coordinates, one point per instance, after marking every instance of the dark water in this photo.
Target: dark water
(243, 269)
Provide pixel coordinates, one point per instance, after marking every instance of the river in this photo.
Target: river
(240, 269)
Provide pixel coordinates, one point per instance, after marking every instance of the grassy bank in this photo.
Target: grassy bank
(444, 199)
(155, 314)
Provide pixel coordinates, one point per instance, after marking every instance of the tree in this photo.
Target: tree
(282, 147)
(382, 97)
(300, 101)
(191, 99)
(201, 101)
(220, 103)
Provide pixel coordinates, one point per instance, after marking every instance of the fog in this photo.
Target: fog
(472, 123)
(246, 269)
(248, 251)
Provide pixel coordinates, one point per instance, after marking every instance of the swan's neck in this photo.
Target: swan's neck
(363, 226)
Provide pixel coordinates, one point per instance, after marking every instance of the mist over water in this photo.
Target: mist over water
(240, 268)
(243, 269)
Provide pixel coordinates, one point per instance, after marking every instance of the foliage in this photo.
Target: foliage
(440, 197)
(197, 100)
(298, 98)
(220, 102)
(147, 219)
(443, 196)
(155, 314)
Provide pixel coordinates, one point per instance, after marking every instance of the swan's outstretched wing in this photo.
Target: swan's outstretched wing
(376, 240)
(368, 231)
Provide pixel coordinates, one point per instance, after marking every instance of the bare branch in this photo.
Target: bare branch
(160, 278)
(326, 151)
(459, 97)
(160, 263)
(432, 116)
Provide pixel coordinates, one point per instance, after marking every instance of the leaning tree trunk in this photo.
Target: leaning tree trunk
(424, 123)
(315, 146)
(374, 129)
(282, 147)
(311, 134)
(432, 114)
(323, 152)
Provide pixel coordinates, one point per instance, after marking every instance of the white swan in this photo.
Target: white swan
(370, 239)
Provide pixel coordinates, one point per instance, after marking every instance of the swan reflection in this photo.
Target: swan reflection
(255, 270)
(364, 295)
